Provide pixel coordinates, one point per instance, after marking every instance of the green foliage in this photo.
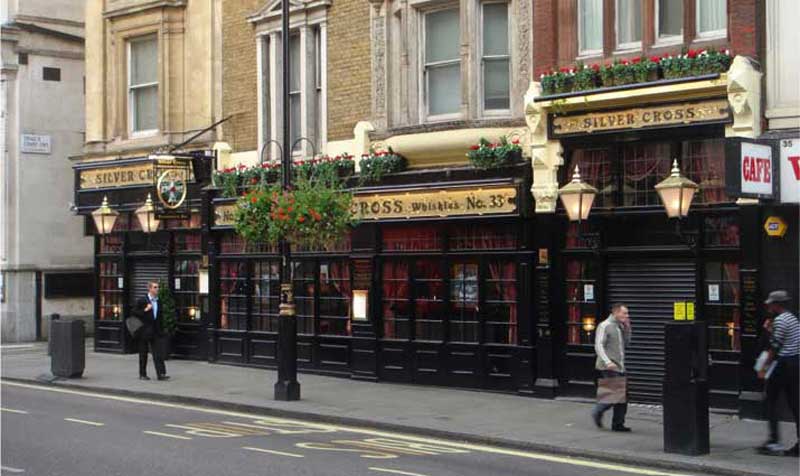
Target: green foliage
(314, 214)
(376, 164)
(166, 305)
(488, 155)
(235, 180)
(635, 71)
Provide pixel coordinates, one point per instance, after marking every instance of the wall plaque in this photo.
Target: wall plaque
(440, 203)
(225, 214)
(640, 118)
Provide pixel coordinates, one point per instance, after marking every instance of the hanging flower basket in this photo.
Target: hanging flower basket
(488, 155)
(314, 214)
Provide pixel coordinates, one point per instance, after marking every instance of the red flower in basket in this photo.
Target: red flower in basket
(636, 60)
(301, 219)
(253, 199)
(474, 147)
(515, 141)
(655, 59)
(692, 53)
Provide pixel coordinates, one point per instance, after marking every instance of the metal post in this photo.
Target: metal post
(287, 388)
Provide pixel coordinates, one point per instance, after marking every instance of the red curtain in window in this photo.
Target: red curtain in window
(411, 238)
(505, 276)
(704, 163)
(395, 286)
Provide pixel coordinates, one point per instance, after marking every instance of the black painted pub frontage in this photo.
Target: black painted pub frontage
(495, 297)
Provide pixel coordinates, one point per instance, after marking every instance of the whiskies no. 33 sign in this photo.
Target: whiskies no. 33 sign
(441, 203)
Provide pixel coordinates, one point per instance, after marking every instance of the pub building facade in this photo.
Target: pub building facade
(459, 276)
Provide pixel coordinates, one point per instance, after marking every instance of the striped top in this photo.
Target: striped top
(786, 335)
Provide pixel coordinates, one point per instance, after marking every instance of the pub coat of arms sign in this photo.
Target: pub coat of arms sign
(172, 176)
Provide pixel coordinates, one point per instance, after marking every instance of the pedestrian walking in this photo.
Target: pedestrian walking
(782, 378)
(148, 311)
(611, 338)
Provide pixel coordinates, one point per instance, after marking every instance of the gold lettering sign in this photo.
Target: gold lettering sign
(122, 176)
(441, 203)
(417, 204)
(639, 118)
(224, 214)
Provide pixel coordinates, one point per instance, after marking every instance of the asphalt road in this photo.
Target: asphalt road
(52, 431)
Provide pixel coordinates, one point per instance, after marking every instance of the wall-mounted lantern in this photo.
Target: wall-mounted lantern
(147, 216)
(104, 217)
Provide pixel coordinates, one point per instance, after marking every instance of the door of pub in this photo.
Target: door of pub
(649, 288)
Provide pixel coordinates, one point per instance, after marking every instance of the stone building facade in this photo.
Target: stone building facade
(45, 256)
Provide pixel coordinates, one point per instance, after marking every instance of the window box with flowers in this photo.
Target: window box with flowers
(235, 180)
(378, 163)
(313, 214)
(637, 70)
(490, 155)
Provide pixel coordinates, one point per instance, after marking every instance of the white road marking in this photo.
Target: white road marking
(280, 453)
(167, 435)
(17, 346)
(394, 471)
(11, 410)
(11, 470)
(85, 422)
(474, 447)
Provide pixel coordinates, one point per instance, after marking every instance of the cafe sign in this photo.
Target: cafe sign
(713, 111)
(439, 203)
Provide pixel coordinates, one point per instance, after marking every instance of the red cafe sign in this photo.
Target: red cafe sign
(756, 169)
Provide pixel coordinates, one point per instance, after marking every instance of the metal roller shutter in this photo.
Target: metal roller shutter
(649, 288)
(142, 273)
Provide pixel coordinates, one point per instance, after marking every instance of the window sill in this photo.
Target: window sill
(627, 49)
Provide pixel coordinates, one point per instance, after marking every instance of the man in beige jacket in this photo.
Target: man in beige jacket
(611, 338)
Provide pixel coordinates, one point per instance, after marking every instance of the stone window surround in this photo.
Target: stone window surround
(133, 133)
(398, 82)
(303, 19)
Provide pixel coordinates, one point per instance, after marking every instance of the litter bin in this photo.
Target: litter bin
(68, 353)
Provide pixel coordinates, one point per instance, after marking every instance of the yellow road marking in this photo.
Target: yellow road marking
(168, 435)
(395, 471)
(279, 453)
(467, 446)
(85, 422)
(11, 410)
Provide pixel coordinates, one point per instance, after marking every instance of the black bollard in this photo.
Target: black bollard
(686, 425)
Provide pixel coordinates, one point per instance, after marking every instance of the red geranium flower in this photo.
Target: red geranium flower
(474, 147)
(596, 67)
(253, 199)
(301, 219)
(636, 60)
(515, 141)
(692, 53)
(655, 59)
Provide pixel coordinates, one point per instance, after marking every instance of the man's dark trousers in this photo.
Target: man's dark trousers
(783, 380)
(620, 409)
(150, 338)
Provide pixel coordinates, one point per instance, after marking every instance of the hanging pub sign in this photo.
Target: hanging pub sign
(749, 168)
(651, 117)
(171, 177)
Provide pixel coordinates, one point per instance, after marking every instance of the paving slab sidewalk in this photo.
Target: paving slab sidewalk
(560, 425)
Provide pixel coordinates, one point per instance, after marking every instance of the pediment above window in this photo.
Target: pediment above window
(271, 11)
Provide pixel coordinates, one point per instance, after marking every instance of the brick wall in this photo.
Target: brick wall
(555, 33)
(239, 74)
(349, 67)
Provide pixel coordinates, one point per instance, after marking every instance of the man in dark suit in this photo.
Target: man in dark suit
(147, 309)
